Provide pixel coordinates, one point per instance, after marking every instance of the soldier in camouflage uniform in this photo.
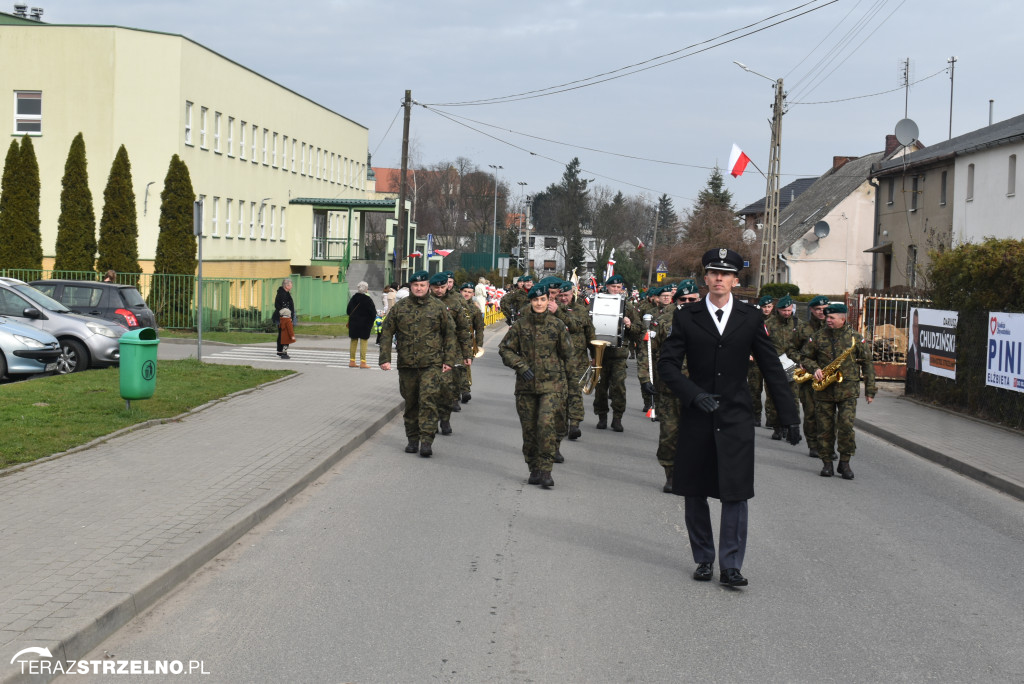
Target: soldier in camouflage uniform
(515, 303)
(659, 299)
(577, 320)
(666, 403)
(537, 347)
(836, 405)
(427, 351)
(612, 383)
(782, 331)
(456, 305)
(754, 377)
(477, 320)
(805, 330)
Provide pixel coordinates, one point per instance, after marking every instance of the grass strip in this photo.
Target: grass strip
(44, 416)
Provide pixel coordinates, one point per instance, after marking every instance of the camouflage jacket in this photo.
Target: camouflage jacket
(541, 343)
(425, 332)
(514, 304)
(805, 330)
(661, 328)
(463, 322)
(783, 334)
(476, 317)
(825, 346)
(581, 327)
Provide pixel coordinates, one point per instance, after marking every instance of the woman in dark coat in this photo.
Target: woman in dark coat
(283, 303)
(361, 314)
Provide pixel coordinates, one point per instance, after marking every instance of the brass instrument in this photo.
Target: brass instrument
(801, 376)
(589, 380)
(831, 372)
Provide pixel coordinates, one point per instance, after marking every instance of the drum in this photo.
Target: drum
(607, 312)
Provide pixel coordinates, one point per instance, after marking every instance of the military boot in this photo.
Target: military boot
(412, 447)
(826, 470)
(466, 396)
(617, 423)
(456, 407)
(602, 421)
(844, 470)
(668, 480)
(446, 427)
(559, 458)
(574, 431)
(545, 480)
(813, 453)
(757, 421)
(777, 435)
(426, 449)
(534, 477)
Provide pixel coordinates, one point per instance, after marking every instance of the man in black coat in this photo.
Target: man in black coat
(716, 337)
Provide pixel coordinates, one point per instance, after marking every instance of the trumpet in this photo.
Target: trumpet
(590, 379)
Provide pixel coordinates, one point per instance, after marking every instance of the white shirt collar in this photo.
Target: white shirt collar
(726, 310)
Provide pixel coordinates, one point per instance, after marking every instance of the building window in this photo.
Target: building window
(266, 146)
(892, 189)
(282, 223)
(284, 152)
(942, 190)
(295, 146)
(241, 212)
(241, 141)
(231, 136)
(255, 132)
(252, 220)
(203, 111)
(550, 243)
(188, 123)
(549, 264)
(213, 217)
(273, 210)
(912, 265)
(970, 182)
(28, 112)
(202, 214)
(303, 159)
(263, 221)
(913, 194)
(227, 217)
(216, 132)
(1011, 176)
(317, 163)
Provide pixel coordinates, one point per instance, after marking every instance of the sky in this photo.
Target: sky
(656, 128)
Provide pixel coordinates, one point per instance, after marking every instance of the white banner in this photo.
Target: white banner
(932, 344)
(1005, 364)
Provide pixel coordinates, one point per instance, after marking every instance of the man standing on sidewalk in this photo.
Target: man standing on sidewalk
(716, 458)
(836, 404)
(427, 350)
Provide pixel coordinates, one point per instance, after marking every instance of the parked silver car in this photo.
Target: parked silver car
(25, 350)
(85, 341)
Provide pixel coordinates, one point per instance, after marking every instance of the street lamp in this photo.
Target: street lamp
(522, 191)
(494, 231)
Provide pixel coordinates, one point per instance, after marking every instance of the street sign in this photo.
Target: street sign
(661, 276)
(430, 244)
(503, 266)
(662, 268)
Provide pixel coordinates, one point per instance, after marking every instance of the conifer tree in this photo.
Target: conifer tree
(7, 184)
(119, 226)
(175, 248)
(76, 225)
(22, 243)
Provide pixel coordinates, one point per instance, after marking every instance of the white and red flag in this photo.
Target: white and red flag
(442, 252)
(738, 161)
(415, 255)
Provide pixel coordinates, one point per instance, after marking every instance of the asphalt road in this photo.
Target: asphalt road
(393, 568)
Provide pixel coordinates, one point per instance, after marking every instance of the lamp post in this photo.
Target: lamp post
(522, 191)
(494, 231)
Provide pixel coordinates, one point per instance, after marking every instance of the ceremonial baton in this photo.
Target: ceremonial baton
(652, 414)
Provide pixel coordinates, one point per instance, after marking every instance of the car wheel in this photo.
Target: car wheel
(73, 357)
(3, 365)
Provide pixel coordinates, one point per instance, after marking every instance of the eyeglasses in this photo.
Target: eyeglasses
(689, 299)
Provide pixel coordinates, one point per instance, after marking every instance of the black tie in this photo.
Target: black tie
(718, 315)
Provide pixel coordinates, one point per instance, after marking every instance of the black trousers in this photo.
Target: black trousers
(732, 532)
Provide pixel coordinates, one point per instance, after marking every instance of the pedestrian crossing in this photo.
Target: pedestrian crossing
(331, 358)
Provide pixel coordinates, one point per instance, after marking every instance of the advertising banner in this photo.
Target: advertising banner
(932, 344)
(1005, 362)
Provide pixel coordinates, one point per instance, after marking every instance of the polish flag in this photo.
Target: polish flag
(415, 255)
(738, 161)
(639, 243)
(443, 252)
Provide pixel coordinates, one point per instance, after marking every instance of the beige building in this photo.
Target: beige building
(252, 146)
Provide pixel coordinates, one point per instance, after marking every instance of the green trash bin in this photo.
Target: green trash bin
(138, 363)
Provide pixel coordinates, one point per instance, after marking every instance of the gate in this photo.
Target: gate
(884, 322)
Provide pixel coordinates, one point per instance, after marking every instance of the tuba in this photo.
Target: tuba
(831, 371)
(589, 380)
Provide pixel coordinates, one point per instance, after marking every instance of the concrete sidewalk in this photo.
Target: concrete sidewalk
(91, 539)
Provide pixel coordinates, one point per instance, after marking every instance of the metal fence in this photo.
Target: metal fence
(884, 322)
(228, 303)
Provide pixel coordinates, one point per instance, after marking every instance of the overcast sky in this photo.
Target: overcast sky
(357, 57)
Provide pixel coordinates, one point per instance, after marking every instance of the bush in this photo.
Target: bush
(979, 277)
(778, 290)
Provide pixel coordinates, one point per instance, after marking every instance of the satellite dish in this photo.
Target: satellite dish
(906, 132)
(821, 229)
(749, 236)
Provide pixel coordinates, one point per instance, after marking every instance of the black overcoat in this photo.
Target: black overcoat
(715, 452)
(361, 315)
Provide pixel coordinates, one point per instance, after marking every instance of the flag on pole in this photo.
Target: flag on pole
(738, 161)
(639, 243)
(415, 255)
(442, 252)
(610, 271)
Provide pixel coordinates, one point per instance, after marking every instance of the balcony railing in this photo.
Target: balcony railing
(330, 249)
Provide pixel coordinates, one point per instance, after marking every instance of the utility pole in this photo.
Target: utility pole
(654, 240)
(770, 236)
(401, 247)
(952, 68)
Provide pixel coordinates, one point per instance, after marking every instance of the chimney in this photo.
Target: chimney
(21, 10)
(891, 144)
(37, 14)
(839, 162)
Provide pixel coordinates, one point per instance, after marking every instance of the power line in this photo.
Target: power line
(823, 39)
(384, 137)
(884, 92)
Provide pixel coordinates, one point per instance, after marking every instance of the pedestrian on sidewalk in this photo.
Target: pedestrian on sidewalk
(840, 346)
(361, 313)
(284, 318)
(716, 459)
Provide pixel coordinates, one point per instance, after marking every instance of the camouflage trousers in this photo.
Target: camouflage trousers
(465, 378)
(542, 417)
(756, 382)
(811, 431)
(769, 405)
(574, 396)
(611, 385)
(452, 382)
(421, 388)
(666, 407)
(835, 425)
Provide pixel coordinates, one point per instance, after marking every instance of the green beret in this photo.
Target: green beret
(540, 289)
(765, 300)
(526, 278)
(467, 286)
(550, 281)
(784, 302)
(439, 279)
(615, 280)
(566, 286)
(450, 274)
(836, 307)
(419, 276)
(687, 287)
(818, 301)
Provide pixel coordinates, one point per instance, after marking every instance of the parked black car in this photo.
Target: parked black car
(110, 301)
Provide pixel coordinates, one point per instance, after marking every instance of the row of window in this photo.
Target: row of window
(266, 221)
(270, 148)
(1011, 178)
(1011, 184)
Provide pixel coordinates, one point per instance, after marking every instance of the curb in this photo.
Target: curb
(996, 482)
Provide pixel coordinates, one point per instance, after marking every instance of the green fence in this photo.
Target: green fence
(228, 303)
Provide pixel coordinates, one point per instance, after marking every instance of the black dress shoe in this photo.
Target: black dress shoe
(731, 577)
(284, 355)
(456, 407)
(617, 424)
(412, 447)
(559, 458)
(703, 573)
(602, 421)
(534, 477)
(426, 451)
(844, 470)
(777, 435)
(826, 470)
(545, 480)
(466, 396)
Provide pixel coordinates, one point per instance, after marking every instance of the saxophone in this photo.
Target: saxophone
(831, 371)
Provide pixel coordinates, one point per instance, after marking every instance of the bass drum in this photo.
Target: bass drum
(608, 313)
